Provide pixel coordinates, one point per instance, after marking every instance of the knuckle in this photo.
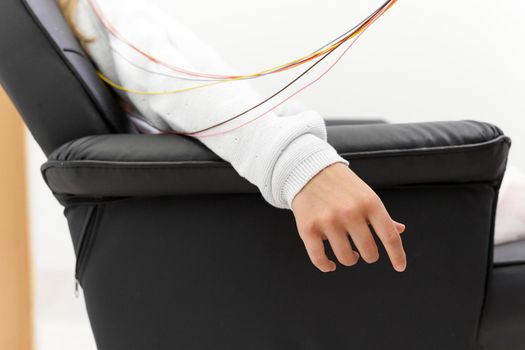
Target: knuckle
(391, 237)
(370, 200)
(329, 219)
(349, 211)
(309, 227)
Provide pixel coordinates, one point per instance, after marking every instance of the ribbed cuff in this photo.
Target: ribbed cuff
(304, 158)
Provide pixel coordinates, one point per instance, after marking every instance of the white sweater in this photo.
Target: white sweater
(279, 153)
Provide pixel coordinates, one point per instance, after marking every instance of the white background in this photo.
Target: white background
(423, 61)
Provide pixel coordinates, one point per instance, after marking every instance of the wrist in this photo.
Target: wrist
(302, 160)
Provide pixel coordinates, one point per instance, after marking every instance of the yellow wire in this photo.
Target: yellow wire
(320, 52)
(359, 30)
(140, 92)
(169, 92)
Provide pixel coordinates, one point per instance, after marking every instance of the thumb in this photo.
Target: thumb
(400, 227)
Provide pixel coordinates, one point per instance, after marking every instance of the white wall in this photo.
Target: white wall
(423, 61)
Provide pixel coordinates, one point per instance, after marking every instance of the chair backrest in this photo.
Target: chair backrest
(49, 78)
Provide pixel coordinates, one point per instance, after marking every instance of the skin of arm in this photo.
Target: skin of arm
(333, 205)
(336, 203)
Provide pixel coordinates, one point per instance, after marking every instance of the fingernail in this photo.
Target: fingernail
(400, 268)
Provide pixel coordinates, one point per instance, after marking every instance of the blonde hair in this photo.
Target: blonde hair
(68, 8)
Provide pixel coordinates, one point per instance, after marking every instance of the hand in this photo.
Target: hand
(336, 203)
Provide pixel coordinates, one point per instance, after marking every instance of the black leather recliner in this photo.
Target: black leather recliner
(176, 251)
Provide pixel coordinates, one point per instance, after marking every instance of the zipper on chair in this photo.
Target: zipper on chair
(76, 288)
(85, 243)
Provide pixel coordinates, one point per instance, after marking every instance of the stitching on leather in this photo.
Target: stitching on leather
(88, 199)
(147, 165)
(357, 155)
(433, 150)
(512, 263)
(60, 52)
(490, 261)
(92, 239)
(488, 267)
(75, 52)
(84, 229)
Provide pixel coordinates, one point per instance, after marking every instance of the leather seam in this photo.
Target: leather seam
(356, 155)
(92, 237)
(60, 53)
(518, 262)
(430, 150)
(189, 164)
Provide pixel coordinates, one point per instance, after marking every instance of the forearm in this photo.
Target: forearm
(277, 154)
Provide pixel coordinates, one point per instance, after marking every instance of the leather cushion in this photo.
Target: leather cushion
(510, 253)
(384, 155)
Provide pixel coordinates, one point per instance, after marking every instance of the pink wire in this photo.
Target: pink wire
(289, 97)
(285, 100)
(117, 34)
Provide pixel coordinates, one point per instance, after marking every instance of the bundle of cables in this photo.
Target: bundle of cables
(215, 79)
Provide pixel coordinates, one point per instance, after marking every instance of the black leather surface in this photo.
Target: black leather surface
(510, 253)
(229, 272)
(503, 326)
(56, 90)
(343, 120)
(384, 155)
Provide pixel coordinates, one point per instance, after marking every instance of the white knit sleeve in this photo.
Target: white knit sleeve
(278, 154)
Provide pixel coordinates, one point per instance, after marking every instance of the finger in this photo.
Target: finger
(400, 227)
(386, 230)
(364, 241)
(342, 248)
(315, 249)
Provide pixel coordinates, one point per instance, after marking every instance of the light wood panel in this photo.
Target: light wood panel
(15, 267)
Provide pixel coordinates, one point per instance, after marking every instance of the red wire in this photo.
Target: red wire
(283, 101)
(289, 97)
(365, 25)
(117, 34)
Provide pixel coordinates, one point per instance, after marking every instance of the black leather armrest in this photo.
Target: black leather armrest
(511, 253)
(384, 155)
(331, 121)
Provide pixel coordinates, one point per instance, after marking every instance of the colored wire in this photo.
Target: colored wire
(194, 134)
(118, 53)
(357, 33)
(194, 79)
(289, 97)
(140, 92)
(120, 37)
(257, 105)
(351, 33)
